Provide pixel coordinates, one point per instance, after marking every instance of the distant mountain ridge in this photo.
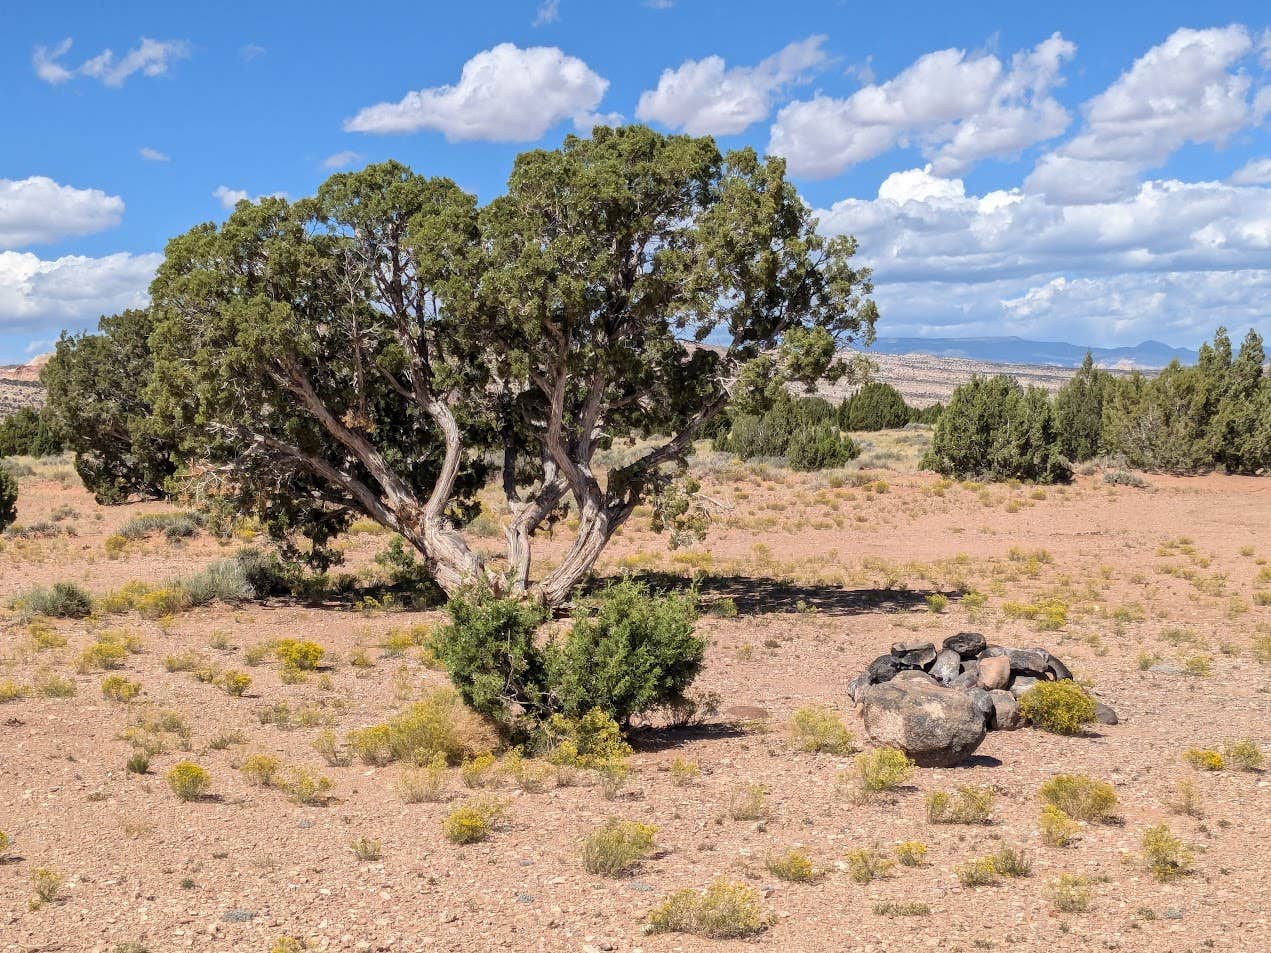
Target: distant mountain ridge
(1017, 350)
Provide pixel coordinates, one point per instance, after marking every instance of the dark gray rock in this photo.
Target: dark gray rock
(1029, 661)
(914, 654)
(935, 726)
(946, 666)
(982, 701)
(966, 644)
(1022, 683)
(1006, 716)
(1056, 669)
(1105, 714)
(883, 669)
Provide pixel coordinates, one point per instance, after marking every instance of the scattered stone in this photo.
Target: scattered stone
(995, 672)
(914, 654)
(967, 644)
(1006, 716)
(937, 727)
(1105, 714)
(1165, 668)
(238, 916)
(946, 667)
(993, 651)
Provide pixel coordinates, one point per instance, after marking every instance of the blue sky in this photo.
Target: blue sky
(1100, 173)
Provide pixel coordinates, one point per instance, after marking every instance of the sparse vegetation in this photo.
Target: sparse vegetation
(1166, 856)
(967, 805)
(725, 910)
(472, 822)
(1080, 796)
(188, 781)
(878, 771)
(616, 846)
(819, 729)
(794, 866)
(865, 864)
(1071, 893)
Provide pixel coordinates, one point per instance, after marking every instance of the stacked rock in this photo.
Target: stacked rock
(991, 676)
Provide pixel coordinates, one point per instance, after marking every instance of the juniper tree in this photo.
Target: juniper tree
(373, 349)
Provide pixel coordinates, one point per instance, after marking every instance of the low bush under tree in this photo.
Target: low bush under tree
(8, 499)
(875, 406)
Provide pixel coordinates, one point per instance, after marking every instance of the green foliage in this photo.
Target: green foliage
(636, 652)
(300, 654)
(8, 499)
(1057, 828)
(1079, 412)
(875, 406)
(28, 432)
(1061, 707)
(793, 866)
(472, 822)
(282, 354)
(438, 724)
(995, 429)
(62, 600)
(802, 429)
(117, 688)
(1244, 755)
(882, 769)
(1192, 419)
(592, 741)
(97, 401)
(866, 864)
(725, 910)
(819, 448)
(616, 846)
(1080, 796)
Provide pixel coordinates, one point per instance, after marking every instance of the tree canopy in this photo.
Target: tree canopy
(382, 347)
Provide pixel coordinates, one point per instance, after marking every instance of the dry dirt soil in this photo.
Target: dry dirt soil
(825, 572)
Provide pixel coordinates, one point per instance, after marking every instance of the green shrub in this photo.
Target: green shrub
(980, 872)
(1244, 755)
(1060, 707)
(29, 432)
(1166, 856)
(817, 728)
(1079, 412)
(304, 786)
(62, 600)
(1080, 796)
(8, 499)
(875, 406)
(994, 428)
(260, 769)
(819, 447)
(188, 781)
(222, 581)
(234, 682)
(616, 846)
(724, 910)
(967, 805)
(637, 652)
(1012, 862)
(173, 525)
(587, 742)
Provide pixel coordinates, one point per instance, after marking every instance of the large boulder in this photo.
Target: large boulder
(995, 672)
(1006, 716)
(1029, 661)
(936, 726)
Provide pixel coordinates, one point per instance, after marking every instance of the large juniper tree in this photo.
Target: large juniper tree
(372, 349)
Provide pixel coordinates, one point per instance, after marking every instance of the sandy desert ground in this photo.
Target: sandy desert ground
(825, 571)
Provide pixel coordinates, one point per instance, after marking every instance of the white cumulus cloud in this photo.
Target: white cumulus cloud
(230, 197)
(1253, 172)
(504, 94)
(149, 58)
(39, 295)
(1188, 89)
(706, 97)
(958, 107)
(37, 210)
(1009, 261)
(341, 160)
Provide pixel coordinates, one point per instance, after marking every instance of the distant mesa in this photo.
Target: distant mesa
(25, 372)
(1016, 350)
